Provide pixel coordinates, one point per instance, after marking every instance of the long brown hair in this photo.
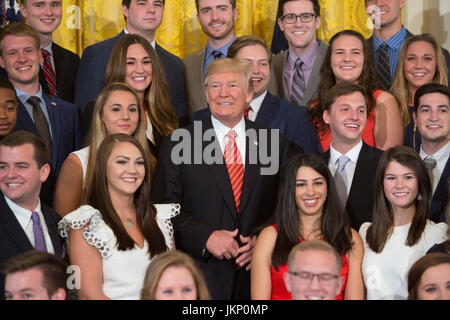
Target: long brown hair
(327, 79)
(383, 216)
(157, 96)
(99, 198)
(400, 88)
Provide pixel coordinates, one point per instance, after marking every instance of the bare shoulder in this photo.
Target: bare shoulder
(386, 98)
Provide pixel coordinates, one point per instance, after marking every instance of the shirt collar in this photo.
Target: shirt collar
(353, 153)
(49, 48)
(257, 102)
(395, 41)
(153, 43)
(23, 96)
(308, 58)
(23, 215)
(440, 156)
(222, 130)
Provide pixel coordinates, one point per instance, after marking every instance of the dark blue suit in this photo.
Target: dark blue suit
(292, 121)
(91, 75)
(66, 136)
(440, 196)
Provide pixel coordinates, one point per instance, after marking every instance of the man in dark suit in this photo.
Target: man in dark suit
(142, 18)
(387, 39)
(346, 114)
(45, 17)
(220, 215)
(297, 70)
(54, 120)
(432, 117)
(25, 222)
(265, 109)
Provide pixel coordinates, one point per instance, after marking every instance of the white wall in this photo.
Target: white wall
(429, 16)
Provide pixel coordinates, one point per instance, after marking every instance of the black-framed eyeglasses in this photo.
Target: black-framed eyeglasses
(292, 18)
(306, 277)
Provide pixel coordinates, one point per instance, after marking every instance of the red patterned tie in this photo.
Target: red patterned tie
(233, 160)
(49, 73)
(246, 111)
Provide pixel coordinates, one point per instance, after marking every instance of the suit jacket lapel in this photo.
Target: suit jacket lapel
(24, 120)
(267, 111)
(314, 79)
(357, 188)
(52, 231)
(56, 126)
(12, 227)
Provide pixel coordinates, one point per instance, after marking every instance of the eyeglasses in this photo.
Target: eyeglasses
(292, 18)
(306, 277)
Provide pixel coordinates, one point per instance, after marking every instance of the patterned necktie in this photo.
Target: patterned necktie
(298, 83)
(233, 160)
(340, 179)
(41, 123)
(39, 239)
(216, 54)
(430, 163)
(4, 18)
(383, 71)
(49, 73)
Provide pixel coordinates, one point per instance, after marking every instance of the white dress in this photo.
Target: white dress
(386, 273)
(83, 154)
(123, 271)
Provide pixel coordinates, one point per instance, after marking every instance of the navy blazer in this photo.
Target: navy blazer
(91, 75)
(66, 135)
(361, 197)
(293, 121)
(440, 196)
(14, 241)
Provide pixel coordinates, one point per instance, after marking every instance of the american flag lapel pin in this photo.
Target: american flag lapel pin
(53, 103)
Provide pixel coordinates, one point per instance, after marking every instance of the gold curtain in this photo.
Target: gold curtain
(89, 21)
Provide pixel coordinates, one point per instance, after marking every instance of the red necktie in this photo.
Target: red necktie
(233, 160)
(49, 73)
(246, 111)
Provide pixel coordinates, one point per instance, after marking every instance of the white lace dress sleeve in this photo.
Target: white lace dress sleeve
(165, 212)
(95, 235)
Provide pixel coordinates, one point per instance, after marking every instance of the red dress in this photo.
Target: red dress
(279, 291)
(367, 135)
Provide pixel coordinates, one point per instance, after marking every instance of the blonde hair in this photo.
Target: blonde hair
(157, 96)
(168, 259)
(400, 88)
(230, 65)
(98, 131)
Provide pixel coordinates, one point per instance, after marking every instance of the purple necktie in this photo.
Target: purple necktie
(39, 240)
(298, 83)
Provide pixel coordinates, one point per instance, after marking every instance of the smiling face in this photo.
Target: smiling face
(143, 16)
(258, 59)
(21, 59)
(419, 64)
(8, 111)
(125, 169)
(43, 15)
(300, 35)
(120, 113)
(347, 58)
(217, 18)
(310, 191)
(316, 262)
(139, 68)
(227, 95)
(400, 185)
(176, 283)
(435, 283)
(20, 177)
(433, 118)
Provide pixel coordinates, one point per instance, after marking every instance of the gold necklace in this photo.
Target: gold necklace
(129, 223)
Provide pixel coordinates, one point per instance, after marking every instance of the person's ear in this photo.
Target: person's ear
(59, 294)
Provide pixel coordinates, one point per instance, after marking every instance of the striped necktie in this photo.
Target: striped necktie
(298, 83)
(233, 160)
(49, 73)
(383, 71)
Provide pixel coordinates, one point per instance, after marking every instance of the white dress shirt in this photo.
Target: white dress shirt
(24, 217)
(441, 158)
(255, 105)
(222, 130)
(353, 154)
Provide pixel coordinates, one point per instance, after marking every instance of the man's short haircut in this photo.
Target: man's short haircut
(316, 7)
(232, 2)
(246, 41)
(53, 268)
(19, 29)
(230, 65)
(342, 89)
(19, 138)
(430, 88)
(6, 84)
(127, 3)
(313, 245)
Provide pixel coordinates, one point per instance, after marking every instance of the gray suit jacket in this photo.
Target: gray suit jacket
(193, 65)
(278, 63)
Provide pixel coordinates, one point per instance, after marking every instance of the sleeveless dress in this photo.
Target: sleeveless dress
(279, 291)
(82, 155)
(367, 135)
(123, 271)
